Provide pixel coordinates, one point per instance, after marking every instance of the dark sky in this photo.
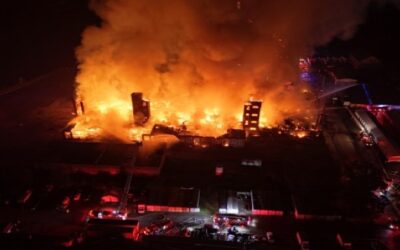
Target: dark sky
(41, 35)
(379, 35)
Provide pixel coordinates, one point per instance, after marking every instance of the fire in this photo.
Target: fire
(83, 130)
(197, 62)
(301, 134)
(122, 108)
(208, 122)
(135, 134)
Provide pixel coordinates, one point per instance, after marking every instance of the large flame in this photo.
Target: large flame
(196, 61)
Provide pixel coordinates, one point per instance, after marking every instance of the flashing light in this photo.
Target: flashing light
(252, 222)
(233, 211)
(393, 227)
(306, 76)
(219, 170)
(222, 210)
(366, 92)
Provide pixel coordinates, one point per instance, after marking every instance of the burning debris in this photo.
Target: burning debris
(299, 128)
(140, 130)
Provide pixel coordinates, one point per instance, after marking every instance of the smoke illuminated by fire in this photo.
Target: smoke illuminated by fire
(199, 61)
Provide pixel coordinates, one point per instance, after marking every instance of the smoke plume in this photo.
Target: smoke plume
(199, 60)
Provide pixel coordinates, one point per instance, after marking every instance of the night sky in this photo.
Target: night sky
(39, 36)
(378, 36)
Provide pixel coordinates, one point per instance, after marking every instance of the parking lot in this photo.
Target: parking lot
(65, 205)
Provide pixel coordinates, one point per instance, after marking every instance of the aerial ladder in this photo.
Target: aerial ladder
(122, 207)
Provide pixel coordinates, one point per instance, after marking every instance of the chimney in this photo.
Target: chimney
(141, 108)
(79, 106)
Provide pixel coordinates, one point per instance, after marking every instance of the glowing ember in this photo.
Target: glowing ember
(301, 134)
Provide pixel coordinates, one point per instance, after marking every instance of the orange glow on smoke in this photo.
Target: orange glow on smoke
(196, 70)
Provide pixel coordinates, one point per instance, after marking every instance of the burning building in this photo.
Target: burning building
(251, 117)
(197, 61)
